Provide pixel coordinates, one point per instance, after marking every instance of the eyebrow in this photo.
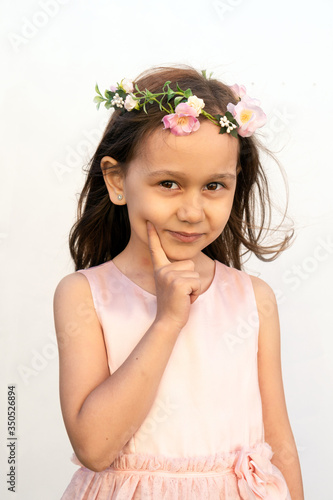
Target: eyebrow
(174, 173)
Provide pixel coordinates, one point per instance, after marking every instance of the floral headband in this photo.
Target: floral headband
(240, 119)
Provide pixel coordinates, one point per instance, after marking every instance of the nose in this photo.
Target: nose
(191, 209)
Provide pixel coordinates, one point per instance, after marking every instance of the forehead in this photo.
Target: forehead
(205, 149)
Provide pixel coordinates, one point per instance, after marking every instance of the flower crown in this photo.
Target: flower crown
(241, 119)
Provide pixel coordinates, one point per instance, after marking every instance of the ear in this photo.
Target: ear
(113, 178)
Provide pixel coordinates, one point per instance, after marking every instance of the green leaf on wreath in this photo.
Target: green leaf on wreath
(170, 94)
(188, 93)
(178, 99)
(97, 89)
(179, 89)
(166, 83)
(121, 93)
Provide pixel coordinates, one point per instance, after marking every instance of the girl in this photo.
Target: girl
(170, 373)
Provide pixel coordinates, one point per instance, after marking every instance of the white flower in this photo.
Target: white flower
(196, 103)
(127, 85)
(117, 101)
(224, 122)
(130, 102)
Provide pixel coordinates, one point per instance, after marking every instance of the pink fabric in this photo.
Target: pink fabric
(203, 437)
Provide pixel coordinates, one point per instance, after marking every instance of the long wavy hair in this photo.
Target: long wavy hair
(102, 229)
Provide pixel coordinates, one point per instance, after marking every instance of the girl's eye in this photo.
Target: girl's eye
(214, 186)
(168, 184)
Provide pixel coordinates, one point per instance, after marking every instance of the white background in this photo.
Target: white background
(53, 53)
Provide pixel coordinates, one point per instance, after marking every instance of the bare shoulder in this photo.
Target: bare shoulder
(75, 317)
(261, 288)
(71, 298)
(265, 297)
(269, 324)
(73, 282)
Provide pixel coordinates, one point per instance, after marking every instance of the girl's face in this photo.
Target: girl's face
(185, 186)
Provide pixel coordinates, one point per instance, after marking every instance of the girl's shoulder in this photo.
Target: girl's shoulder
(265, 300)
(80, 276)
(262, 290)
(73, 285)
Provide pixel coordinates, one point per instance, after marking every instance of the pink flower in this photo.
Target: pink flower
(239, 90)
(257, 478)
(183, 121)
(113, 88)
(248, 114)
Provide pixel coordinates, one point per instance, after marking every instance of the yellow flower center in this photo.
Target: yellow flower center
(182, 120)
(245, 115)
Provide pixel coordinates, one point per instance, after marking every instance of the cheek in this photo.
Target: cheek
(220, 216)
(141, 210)
(148, 207)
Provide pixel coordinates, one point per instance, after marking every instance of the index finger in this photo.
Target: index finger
(157, 253)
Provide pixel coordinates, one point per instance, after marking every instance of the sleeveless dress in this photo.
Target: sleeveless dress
(203, 437)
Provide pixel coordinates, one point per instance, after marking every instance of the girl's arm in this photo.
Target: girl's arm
(278, 432)
(102, 412)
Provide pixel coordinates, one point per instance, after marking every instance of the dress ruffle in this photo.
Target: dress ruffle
(244, 474)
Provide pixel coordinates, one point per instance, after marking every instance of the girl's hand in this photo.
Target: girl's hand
(177, 284)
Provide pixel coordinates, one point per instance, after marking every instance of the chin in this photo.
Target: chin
(182, 253)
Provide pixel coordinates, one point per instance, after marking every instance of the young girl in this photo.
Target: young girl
(170, 372)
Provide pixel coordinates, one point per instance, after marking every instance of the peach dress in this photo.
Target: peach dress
(203, 437)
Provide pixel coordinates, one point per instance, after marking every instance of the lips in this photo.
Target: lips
(185, 237)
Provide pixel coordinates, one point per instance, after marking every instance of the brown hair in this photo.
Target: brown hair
(102, 229)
